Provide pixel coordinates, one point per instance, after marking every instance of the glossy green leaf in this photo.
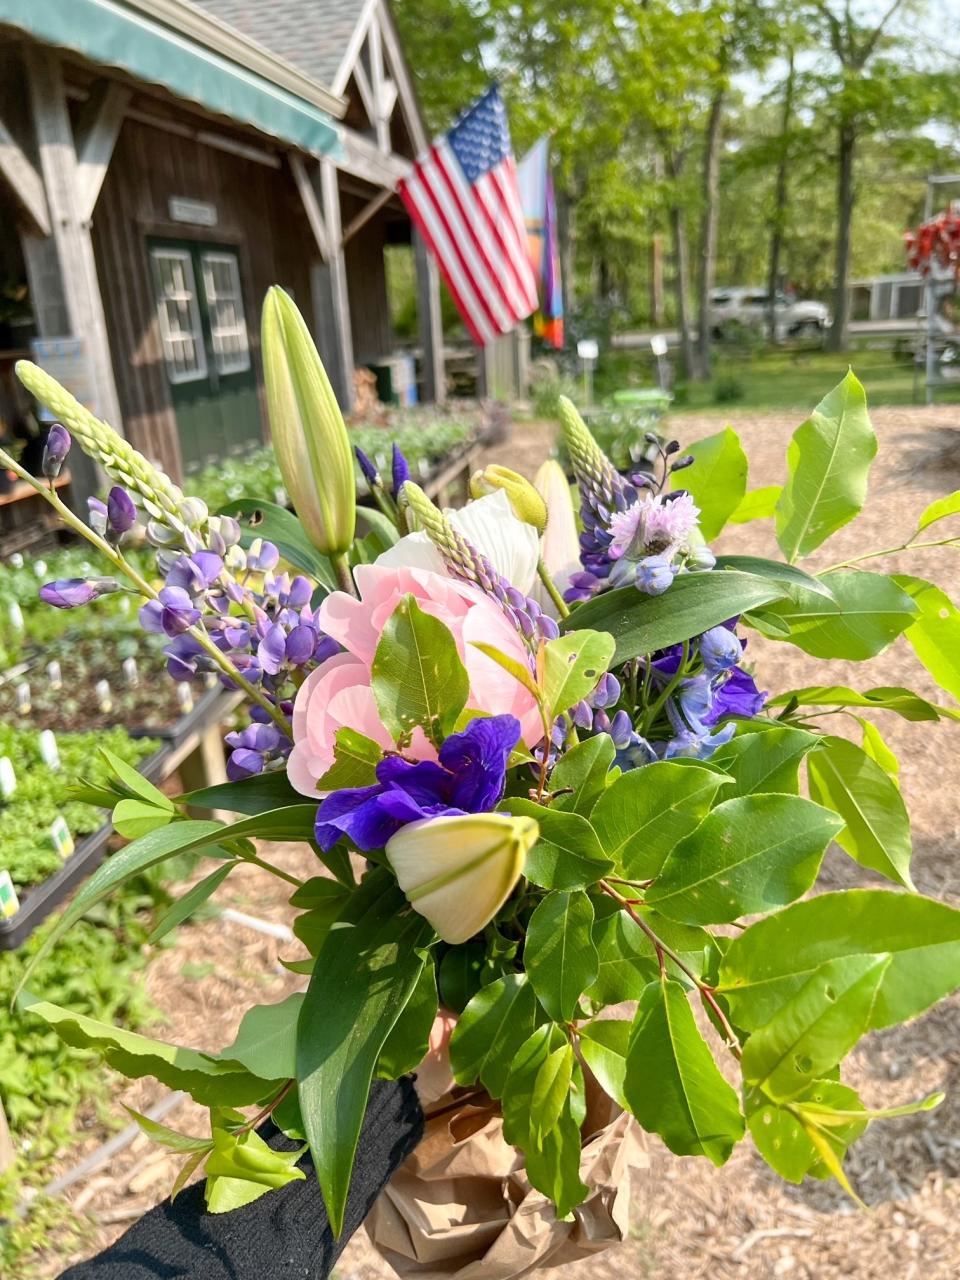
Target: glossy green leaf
(242, 1167)
(355, 760)
(134, 818)
(559, 953)
(868, 611)
(672, 1084)
(322, 900)
(417, 676)
(816, 1028)
(373, 520)
(275, 524)
(717, 479)
(828, 461)
(780, 1137)
(935, 633)
(266, 1040)
(519, 670)
(184, 907)
(752, 853)
(768, 761)
(134, 782)
(903, 702)
(641, 624)
(408, 1041)
(550, 1091)
(572, 665)
(257, 794)
(939, 509)
(876, 830)
(460, 975)
(212, 1081)
(647, 811)
(567, 854)
(366, 972)
(167, 1137)
(604, 1043)
(788, 577)
(626, 959)
(877, 749)
(767, 963)
(757, 504)
(581, 774)
(495, 1023)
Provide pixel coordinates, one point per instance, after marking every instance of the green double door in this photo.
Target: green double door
(206, 349)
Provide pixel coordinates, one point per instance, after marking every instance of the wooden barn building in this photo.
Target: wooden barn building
(161, 164)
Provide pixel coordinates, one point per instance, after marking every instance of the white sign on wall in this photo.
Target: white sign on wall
(197, 212)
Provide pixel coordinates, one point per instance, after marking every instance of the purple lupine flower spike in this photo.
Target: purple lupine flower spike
(370, 472)
(70, 593)
(401, 471)
(55, 449)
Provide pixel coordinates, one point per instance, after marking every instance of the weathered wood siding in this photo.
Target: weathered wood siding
(259, 214)
(367, 284)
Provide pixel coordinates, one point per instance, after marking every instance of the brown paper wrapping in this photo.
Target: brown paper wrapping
(461, 1208)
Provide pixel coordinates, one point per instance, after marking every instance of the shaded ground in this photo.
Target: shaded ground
(690, 1220)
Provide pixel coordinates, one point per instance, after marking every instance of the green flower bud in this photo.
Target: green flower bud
(527, 504)
(459, 871)
(309, 437)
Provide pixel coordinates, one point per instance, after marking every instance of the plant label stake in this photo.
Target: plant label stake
(9, 902)
(48, 749)
(15, 614)
(130, 672)
(60, 836)
(40, 568)
(54, 675)
(104, 696)
(184, 697)
(23, 698)
(280, 496)
(8, 779)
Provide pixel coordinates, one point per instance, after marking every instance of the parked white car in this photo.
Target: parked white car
(750, 308)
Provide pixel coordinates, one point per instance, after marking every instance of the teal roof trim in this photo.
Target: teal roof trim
(107, 32)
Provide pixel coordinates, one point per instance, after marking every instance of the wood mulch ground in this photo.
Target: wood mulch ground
(689, 1219)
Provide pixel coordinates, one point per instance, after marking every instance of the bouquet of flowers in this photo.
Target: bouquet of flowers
(576, 814)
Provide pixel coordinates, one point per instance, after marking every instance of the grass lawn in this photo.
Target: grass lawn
(778, 378)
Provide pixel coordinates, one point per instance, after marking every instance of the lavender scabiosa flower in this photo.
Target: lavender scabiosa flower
(659, 525)
(55, 450)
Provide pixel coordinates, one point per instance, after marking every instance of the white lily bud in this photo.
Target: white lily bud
(560, 544)
(459, 871)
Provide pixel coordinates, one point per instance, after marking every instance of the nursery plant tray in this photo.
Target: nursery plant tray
(40, 899)
(210, 704)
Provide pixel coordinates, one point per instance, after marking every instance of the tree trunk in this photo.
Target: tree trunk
(778, 220)
(656, 257)
(837, 338)
(708, 230)
(682, 287)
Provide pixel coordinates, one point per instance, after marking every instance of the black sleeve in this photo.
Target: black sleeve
(284, 1234)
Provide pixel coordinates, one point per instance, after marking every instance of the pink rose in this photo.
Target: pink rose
(338, 693)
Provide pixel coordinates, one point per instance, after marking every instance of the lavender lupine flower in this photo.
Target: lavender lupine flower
(401, 471)
(70, 593)
(253, 748)
(97, 515)
(55, 449)
(720, 649)
(121, 510)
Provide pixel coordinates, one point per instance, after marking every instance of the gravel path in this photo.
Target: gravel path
(691, 1220)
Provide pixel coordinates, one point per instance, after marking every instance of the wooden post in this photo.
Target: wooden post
(329, 282)
(7, 1153)
(70, 231)
(430, 322)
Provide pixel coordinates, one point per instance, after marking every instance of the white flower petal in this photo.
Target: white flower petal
(560, 545)
(415, 551)
(511, 545)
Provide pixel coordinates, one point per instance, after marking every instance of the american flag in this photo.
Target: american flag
(464, 199)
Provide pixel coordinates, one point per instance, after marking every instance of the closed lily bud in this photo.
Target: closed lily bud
(527, 504)
(55, 450)
(459, 871)
(560, 545)
(309, 436)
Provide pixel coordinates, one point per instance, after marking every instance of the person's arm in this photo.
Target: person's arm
(284, 1234)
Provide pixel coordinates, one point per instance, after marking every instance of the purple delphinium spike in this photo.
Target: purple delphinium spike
(401, 470)
(367, 467)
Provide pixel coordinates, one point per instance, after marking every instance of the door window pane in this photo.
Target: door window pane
(228, 326)
(178, 314)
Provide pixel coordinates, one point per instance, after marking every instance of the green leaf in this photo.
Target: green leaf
(572, 666)
(816, 1028)
(717, 479)
(495, 1023)
(641, 624)
(752, 853)
(210, 1081)
(604, 1044)
(626, 959)
(767, 963)
(378, 523)
(323, 900)
(275, 524)
(550, 1091)
(640, 818)
(520, 672)
(768, 761)
(867, 612)
(567, 854)
(417, 676)
(559, 953)
(757, 504)
(136, 783)
(365, 973)
(266, 1040)
(876, 748)
(257, 794)
(904, 702)
(408, 1041)
(780, 1137)
(939, 510)
(355, 760)
(935, 634)
(460, 976)
(788, 577)
(133, 818)
(828, 461)
(189, 902)
(243, 1167)
(167, 1137)
(582, 773)
(672, 1083)
(877, 826)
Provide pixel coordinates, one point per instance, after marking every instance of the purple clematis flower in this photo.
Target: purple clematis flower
(468, 777)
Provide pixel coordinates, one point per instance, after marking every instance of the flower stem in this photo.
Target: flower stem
(651, 715)
(909, 545)
(552, 592)
(342, 570)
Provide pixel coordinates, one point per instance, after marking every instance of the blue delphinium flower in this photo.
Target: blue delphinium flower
(468, 777)
(719, 649)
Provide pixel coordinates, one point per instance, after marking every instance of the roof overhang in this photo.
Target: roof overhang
(171, 44)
